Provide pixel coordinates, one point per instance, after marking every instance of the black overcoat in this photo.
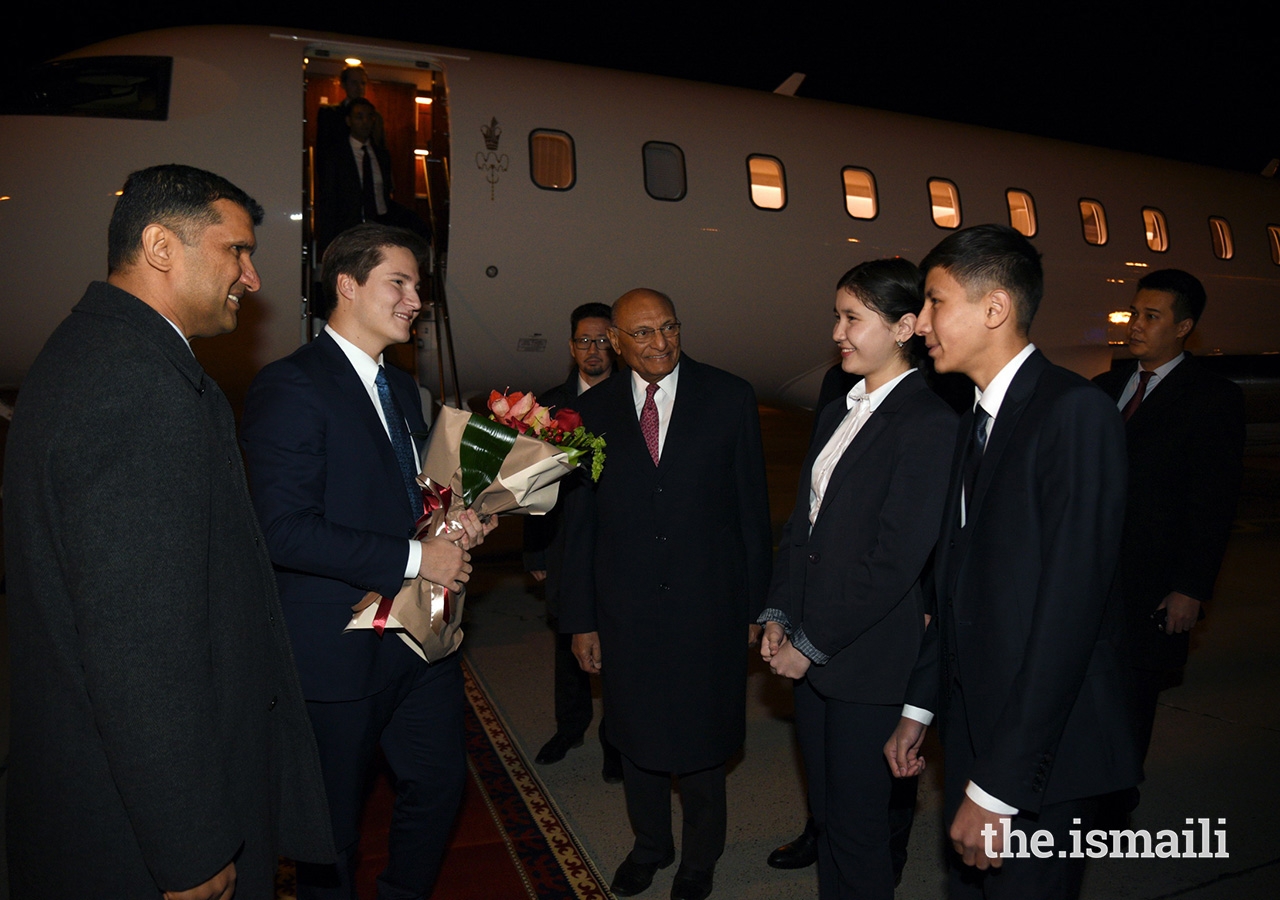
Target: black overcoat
(670, 563)
(158, 725)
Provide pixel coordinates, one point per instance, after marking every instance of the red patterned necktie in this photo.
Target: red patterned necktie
(649, 422)
(1136, 400)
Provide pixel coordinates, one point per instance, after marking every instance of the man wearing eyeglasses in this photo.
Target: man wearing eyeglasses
(666, 557)
(544, 546)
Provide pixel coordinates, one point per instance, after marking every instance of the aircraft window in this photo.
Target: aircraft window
(109, 87)
(551, 161)
(664, 171)
(1157, 229)
(860, 193)
(768, 182)
(1093, 218)
(1223, 246)
(1273, 232)
(1022, 212)
(945, 200)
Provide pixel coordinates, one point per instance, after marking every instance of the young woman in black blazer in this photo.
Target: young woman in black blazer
(846, 608)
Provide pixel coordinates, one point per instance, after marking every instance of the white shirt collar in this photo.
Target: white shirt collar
(667, 385)
(1162, 372)
(366, 366)
(993, 396)
(876, 397)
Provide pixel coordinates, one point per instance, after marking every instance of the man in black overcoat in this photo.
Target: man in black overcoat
(1184, 427)
(160, 743)
(666, 558)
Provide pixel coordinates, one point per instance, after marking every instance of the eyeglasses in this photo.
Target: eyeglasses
(583, 343)
(645, 335)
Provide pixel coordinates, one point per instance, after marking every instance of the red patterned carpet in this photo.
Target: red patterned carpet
(510, 841)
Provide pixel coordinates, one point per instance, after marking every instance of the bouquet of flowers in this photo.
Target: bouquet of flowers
(511, 461)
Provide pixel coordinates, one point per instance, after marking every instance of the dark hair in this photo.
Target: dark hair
(588, 311)
(891, 287)
(360, 101)
(180, 198)
(987, 257)
(357, 252)
(1188, 292)
(348, 72)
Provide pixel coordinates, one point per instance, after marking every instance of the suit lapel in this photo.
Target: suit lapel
(686, 413)
(1012, 407)
(352, 394)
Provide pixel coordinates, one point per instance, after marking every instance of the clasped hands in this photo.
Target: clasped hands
(781, 655)
(445, 560)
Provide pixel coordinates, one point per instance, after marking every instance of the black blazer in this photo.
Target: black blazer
(339, 199)
(1029, 622)
(669, 563)
(331, 499)
(1185, 449)
(853, 582)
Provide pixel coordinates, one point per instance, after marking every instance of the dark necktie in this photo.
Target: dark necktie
(649, 422)
(370, 202)
(401, 441)
(1136, 400)
(973, 453)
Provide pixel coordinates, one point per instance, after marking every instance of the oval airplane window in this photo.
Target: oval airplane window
(944, 199)
(551, 160)
(664, 177)
(1157, 229)
(1273, 235)
(860, 193)
(1223, 246)
(1022, 212)
(768, 182)
(1093, 219)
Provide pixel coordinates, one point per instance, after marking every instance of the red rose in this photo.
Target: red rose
(567, 420)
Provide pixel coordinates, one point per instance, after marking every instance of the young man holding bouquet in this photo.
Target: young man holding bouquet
(329, 435)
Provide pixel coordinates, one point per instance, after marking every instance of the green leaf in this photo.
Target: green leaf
(485, 444)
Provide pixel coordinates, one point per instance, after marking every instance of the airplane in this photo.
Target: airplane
(549, 185)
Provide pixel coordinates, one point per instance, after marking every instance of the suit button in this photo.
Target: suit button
(271, 705)
(660, 538)
(664, 587)
(815, 557)
(657, 490)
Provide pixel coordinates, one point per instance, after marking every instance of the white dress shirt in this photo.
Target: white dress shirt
(358, 150)
(860, 406)
(367, 371)
(664, 398)
(1158, 375)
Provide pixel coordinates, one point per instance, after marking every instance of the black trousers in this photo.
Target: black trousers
(1032, 878)
(418, 723)
(702, 797)
(850, 790)
(573, 690)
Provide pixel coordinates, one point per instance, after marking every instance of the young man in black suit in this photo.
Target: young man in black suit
(1185, 432)
(1023, 660)
(544, 545)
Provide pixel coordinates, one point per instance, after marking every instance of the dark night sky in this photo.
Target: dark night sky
(1189, 81)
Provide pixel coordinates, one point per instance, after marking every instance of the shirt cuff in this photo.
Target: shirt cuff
(773, 614)
(415, 560)
(987, 802)
(802, 643)
(923, 716)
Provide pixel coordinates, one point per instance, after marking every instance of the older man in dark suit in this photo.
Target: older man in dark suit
(666, 559)
(160, 745)
(1024, 660)
(1185, 431)
(329, 436)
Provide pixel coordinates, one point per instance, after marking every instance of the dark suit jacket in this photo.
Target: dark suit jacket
(1185, 442)
(339, 199)
(1029, 622)
(669, 564)
(331, 499)
(157, 720)
(853, 582)
(543, 535)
